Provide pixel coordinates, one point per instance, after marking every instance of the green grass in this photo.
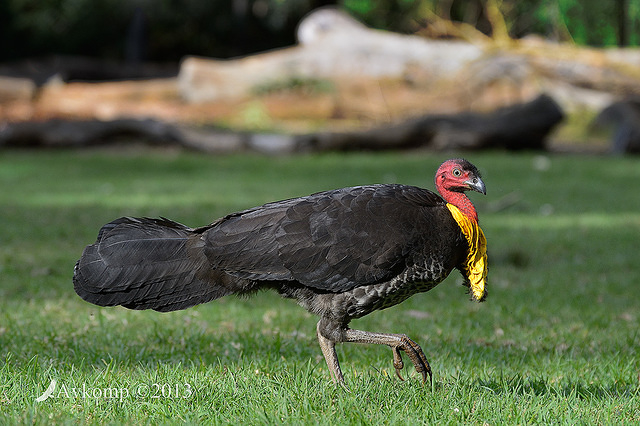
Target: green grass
(556, 342)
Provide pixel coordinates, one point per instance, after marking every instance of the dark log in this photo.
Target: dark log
(624, 117)
(78, 133)
(85, 133)
(522, 126)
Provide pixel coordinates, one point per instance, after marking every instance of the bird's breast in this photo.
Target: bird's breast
(417, 279)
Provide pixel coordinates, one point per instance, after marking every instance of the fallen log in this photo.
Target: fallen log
(58, 133)
(623, 117)
(332, 46)
(516, 127)
(522, 126)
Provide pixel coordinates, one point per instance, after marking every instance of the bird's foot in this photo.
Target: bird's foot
(415, 354)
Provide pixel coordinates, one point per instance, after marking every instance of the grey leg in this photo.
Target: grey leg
(329, 351)
(397, 343)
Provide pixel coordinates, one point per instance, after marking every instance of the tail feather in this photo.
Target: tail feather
(143, 263)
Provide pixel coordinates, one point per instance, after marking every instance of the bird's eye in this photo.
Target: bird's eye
(457, 172)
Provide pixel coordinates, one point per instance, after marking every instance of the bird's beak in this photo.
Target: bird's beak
(477, 184)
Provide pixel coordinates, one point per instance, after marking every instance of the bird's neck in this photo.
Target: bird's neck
(461, 201)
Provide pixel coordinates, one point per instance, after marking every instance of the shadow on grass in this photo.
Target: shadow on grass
(150, 345)
(518, 385)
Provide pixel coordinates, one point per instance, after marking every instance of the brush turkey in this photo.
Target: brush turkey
(340, 254)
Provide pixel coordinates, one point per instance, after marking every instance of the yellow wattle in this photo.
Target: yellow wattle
(475, 266)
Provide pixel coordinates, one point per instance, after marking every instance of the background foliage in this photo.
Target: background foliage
(166, 30)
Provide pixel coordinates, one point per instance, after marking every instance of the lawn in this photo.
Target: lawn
(557, 340)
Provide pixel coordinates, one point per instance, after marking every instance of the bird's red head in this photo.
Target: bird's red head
(453, 178)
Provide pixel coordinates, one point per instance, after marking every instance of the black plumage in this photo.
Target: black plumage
(341, 254)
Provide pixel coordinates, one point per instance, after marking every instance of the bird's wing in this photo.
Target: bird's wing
(333, 241)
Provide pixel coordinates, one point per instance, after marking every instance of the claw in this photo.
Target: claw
(415, 353)
(397, 362)
(424, 376)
